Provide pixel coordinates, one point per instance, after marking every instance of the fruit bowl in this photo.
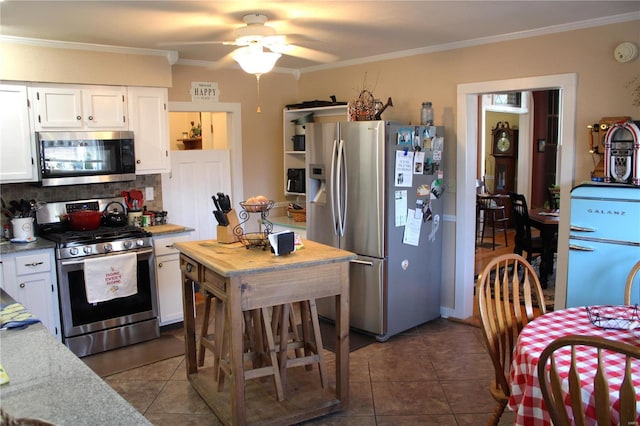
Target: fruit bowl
(255, 239)
(256, 207)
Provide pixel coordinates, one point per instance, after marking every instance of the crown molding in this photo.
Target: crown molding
(615, 19)
(171, 55)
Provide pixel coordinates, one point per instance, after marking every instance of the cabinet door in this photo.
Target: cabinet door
(57, 108)
(169, 277)
(34, 292)
(105, 108)
(149, 120)
(17, 147)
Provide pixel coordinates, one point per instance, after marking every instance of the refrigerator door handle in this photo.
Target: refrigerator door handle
(580, 248)
(361, 262)
(342, 175)
(581, 229)
(332, 185)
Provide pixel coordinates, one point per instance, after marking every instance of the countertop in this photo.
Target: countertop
(287, 222)
(7, 247)
(48, 382)
(235, 259)
(168, 228)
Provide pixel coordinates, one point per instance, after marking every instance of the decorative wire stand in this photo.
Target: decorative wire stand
(622, 317)
(254, 239)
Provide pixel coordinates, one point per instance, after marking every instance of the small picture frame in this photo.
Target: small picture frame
(541, 144)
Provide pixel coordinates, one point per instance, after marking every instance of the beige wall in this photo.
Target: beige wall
(53, 65)
(261, 132)
(434, 77)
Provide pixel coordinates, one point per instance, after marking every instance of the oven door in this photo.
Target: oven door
(80, 317)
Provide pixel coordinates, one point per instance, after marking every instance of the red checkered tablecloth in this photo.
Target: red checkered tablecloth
(526, 398)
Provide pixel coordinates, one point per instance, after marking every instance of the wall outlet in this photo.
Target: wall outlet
(148, 193)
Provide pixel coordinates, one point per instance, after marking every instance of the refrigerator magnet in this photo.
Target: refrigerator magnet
(423, 190)
(405, 136)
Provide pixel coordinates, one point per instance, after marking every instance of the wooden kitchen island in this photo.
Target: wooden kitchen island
(249, 279)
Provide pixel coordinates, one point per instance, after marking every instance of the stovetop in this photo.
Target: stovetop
(67, 236)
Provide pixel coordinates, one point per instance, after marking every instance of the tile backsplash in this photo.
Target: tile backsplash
(27, 191)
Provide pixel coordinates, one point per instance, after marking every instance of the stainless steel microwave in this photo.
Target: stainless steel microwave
(70, 158)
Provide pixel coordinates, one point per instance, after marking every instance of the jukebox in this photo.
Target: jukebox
(621, 153)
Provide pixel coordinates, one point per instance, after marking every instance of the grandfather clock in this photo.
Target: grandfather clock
(505, 151)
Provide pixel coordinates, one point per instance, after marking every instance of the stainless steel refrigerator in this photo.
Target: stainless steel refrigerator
(375, 188)
(604, 243)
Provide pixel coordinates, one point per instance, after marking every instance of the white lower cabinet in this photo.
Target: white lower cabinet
(30, 279)
(168, 276)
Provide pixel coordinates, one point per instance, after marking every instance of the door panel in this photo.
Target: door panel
(195, 176)
(364, 152)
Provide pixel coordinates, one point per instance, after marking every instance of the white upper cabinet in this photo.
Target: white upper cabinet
(17, 144)
(64, 107)
(149, 121)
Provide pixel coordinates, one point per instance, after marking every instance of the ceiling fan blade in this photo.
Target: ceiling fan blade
(194, 43)
(224, 61)
(304, 52)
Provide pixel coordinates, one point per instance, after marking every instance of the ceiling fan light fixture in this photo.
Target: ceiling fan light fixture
(255, 60)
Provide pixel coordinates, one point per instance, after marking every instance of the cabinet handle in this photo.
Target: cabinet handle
(160, 265)
(189, 267)
(22, 285)
(78, 118)
(169, 246)
(138, 161)
(91, 117)
(33, 264)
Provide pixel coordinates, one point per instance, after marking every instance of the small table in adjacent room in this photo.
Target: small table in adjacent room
(254, 279)
(547, 222)
(526, 397)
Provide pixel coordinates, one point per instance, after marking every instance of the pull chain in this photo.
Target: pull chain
(258, 80)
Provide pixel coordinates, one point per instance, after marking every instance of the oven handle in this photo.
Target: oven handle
(79, 261)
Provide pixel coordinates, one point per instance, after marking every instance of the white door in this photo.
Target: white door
(195, 176)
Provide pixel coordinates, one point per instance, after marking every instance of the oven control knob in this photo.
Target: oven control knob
(140, 243)
(128, 244)
(86, 250)
(73, 251)
(107, 248)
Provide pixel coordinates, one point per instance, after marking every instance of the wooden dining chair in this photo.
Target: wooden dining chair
(551, 384)
(630, 278)
(524, 241)
(490, 213)
(553, 195)
(509, 297)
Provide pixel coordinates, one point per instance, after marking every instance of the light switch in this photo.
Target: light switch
(148, 193)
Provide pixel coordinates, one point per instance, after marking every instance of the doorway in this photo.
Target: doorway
(466, 154)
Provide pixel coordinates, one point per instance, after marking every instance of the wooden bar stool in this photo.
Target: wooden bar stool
(305, 347)
(260, 350)
(489, 212)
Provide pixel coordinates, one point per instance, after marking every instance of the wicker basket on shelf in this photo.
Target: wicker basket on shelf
(298, 215)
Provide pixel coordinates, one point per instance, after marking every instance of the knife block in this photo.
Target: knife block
(225, 234)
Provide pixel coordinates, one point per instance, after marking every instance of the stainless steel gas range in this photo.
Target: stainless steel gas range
(90, 326)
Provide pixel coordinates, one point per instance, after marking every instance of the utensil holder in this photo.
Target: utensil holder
(22, 228)
(225, 234)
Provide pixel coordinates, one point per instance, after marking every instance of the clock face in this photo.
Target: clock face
(503, 143)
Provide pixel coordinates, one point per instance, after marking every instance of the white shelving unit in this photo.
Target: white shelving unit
(296, 159)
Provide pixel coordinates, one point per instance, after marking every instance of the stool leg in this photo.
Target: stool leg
(318, 340)
(272, 353)
(205, 329)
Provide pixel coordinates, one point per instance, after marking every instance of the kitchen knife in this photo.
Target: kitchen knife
(221, 218)
(215, 202)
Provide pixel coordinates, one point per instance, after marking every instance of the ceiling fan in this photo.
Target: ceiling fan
(255, 36)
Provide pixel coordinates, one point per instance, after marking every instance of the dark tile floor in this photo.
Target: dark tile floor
(435, 374)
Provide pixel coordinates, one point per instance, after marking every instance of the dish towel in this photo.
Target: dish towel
(15, 315)
(110, 277)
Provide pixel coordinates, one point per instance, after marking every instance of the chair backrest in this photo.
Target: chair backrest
(520, 215)
(553, 193)
(630, 278)
(579, 347)
(509, 297)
